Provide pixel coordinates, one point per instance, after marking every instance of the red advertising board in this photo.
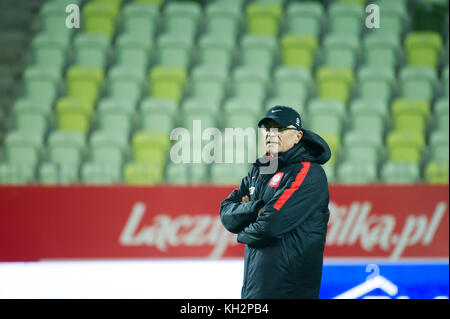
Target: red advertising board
(84, 222)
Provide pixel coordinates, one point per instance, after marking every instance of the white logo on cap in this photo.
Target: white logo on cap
(273, 111)
(297, 121)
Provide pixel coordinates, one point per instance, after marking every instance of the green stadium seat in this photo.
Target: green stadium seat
(223, 18)
(158, 3)
(341, 50)
(439, 153)
(410, 122)
(437, 172)
(74, 105)
(50, 51)
(423, 48)
(161, 123)
(29, 106)
(197, 105)
(305, 18)
(177, 174)
(258, 51)
(154, 156)
(361, 153)
(364, 138)
(243, 121)
(22, 155)
(400, 173)
(35, 123)
(393, 19)
(441, 123)
(174, 50)
(346, 18)
(152, 140)
(357, 173)
(142, 174)
(414, 139)
(382, 50)
(405, 106)
(209, 83)
(334, 142)
(74, 122)
(334, 83)
(168, 82)
(91, 50)
(100, 173)
(125, 83)
(299, 50)
(65, 155)
(216, 51)
(439, 138)
(84, 82)
(133, 50)
(53, 18)
(250, 82)
(228, 174)
(41, 84)
(116, 105)
(140, 18)
(263, 18)
(418, 82)
(370, 106)
(51, 173)
(368, 122)
(325, 123)
(295, 82)
(375, 83)
(113, 139)
(182, 17)
(59, 138)
(152, 105)
(119, 122)
(199, 173)
(11, 173)
(15, 138)
(241, 105)
(100, 17)
(319, 106)
(206, 121)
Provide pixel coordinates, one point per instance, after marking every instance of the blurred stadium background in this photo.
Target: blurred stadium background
(84, 110)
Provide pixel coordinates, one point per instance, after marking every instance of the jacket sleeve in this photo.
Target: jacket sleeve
(234, 215)
(302, 195)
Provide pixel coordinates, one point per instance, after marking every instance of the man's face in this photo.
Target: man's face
(280, 139)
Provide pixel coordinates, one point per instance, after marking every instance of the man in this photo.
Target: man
(282, 216)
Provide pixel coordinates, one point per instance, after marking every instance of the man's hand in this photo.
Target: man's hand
(246, 199)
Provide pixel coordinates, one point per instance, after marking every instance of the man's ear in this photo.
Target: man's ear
(299, 136)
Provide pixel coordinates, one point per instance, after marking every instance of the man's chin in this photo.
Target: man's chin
(272, 149)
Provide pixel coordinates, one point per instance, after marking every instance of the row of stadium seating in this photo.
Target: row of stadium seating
(99, 110)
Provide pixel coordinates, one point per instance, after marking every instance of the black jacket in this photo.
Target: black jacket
(285, 244)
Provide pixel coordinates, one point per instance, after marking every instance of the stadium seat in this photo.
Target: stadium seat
(418, 82)
(394, 17)
(299, 50)
(74, 105)
(150, 105)
(50, 51)
(177, 174)
(368, 122)
(174, 50)
(100, 138)
(437, 172)
(357, 172)
(407, 106)
(42, 84)
(382, 50)
(370, 106)
(264, 18)
(317, 106)
(341, 50)
(161, 123)
(215, 52)
(223, 18)
(423, 48)
(325, 123)
(228, 174)
(334, 83)
(133, 50)
(365, 138)
(152, 140)
(209, 84)
(361, 153)
(182, 18)
(346, 18)
(140, 18)
(100, 17)
(305, 18)
(198, 105)
(410, 122)
(142, 174)
(375, 82)
(125, 83)
(439, 138)
(258, 51)
(167, 82)
(100, 173)
(11, 173)
(29, 106)
(85, 82)
(445, 82)
(92, 50)
(439, 153)
(250, 82)
(400, 173)
(53, 18)
(74, 122)
(35, 123)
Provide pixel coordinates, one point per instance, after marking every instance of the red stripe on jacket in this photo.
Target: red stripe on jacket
(294, 186)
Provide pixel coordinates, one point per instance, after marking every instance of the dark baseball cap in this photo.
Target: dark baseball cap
(284, 116)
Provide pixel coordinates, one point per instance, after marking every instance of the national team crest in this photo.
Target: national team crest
(275, 180)
(251, 190)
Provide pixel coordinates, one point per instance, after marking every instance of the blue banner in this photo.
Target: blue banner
(406, 280)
